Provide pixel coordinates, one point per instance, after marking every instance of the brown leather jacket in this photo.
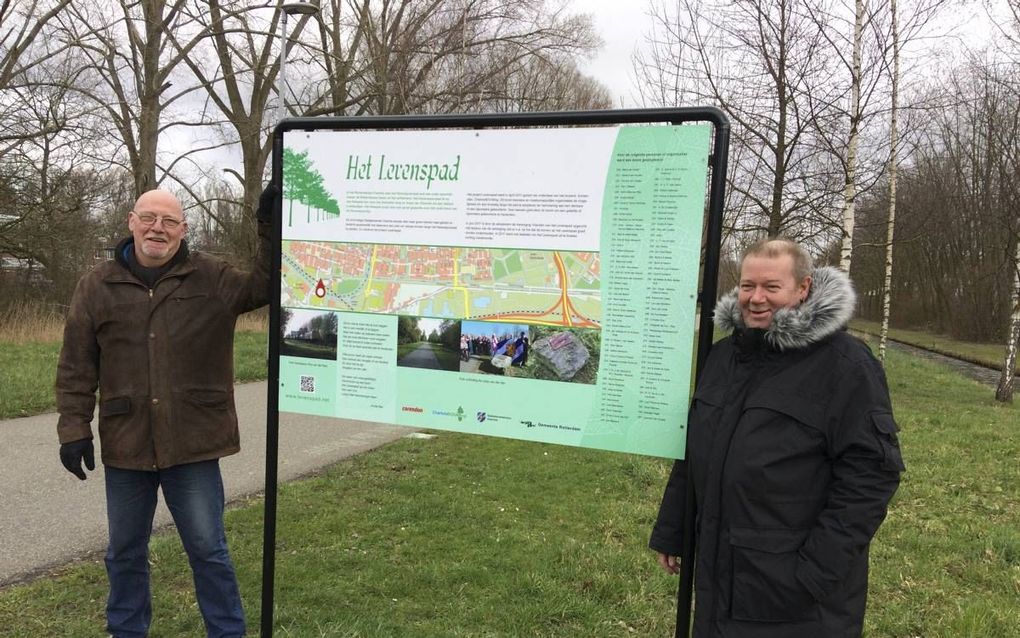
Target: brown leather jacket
(162, 359)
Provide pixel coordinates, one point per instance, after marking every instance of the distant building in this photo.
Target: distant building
(20, 270)
(105, 253)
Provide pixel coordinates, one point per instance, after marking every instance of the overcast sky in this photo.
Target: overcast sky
(622, 25)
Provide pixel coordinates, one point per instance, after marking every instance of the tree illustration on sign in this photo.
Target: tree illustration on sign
(304, 184)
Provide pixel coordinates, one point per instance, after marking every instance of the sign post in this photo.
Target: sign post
(430, 270)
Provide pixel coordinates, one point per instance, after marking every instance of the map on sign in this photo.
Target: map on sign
(559, 288)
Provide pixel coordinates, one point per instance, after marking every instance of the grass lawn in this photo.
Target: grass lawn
(987, 353)
(27, 373)
(947, 561)
(28, 370)
(470, 536)
(251, 354)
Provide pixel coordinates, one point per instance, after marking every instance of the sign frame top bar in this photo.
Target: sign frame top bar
(542, 118)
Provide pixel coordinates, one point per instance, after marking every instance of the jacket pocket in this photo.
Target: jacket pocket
(189, 298)
(799, 408)
(115, 406)
(765, 586)
(210, 399)
(189, 311)
(123, 430)
(707, 398)
(705, 412)
(886, 428)
(205, 422)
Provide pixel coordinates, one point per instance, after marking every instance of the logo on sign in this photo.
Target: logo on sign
(459, 414)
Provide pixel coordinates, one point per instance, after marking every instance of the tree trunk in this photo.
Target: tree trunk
(1004, 391)
(850, 188)
(893, 159)
(254, 155)
(783, 100)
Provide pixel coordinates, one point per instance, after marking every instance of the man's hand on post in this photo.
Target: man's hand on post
(669, 564)
(72, 454)
(267, 200)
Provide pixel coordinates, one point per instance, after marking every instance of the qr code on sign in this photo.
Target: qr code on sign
(307, 384)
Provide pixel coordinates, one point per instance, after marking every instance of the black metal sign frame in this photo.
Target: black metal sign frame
(707, 295)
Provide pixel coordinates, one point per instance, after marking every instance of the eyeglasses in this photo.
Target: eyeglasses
(149, 219)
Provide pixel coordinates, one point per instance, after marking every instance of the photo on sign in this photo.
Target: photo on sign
(490, 347)
(308, 333)
(431, 344)
(564, 354)
(546, 353)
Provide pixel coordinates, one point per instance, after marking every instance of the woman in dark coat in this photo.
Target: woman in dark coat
(793, 455)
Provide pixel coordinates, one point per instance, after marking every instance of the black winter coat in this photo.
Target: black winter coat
(793, 455)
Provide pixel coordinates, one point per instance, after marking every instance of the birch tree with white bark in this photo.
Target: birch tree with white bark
(1007, 379)
(892, 176)
(850, 190)
(1004, 389)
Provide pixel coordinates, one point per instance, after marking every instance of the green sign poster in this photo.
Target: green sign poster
(536, 284)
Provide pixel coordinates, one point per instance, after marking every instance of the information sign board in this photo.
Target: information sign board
(531, 283)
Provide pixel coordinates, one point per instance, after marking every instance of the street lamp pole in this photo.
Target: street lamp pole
(298, 7)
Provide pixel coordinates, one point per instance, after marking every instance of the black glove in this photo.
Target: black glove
(267, 203)
(71, 455)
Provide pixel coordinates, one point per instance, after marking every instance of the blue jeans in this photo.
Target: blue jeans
(194, 496)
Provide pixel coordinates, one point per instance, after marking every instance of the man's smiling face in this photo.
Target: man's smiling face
(768, 284)
(156, 243)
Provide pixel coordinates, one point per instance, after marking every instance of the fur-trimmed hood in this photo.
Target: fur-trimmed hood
(828, 308)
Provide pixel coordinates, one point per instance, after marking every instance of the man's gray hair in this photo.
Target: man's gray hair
(773, 247)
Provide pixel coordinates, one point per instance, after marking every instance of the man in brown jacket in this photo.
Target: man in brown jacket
(153, 330)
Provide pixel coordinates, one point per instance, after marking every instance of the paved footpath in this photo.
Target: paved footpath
(50, 518)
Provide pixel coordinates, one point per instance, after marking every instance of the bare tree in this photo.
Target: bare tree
(341, 89)
(438, 56)
(22, 50)
(850, 191)
(765, 63)
(955, 210)
(893, 175)
(1004, 389)
(52, 188)
(551, 83)
(386, 57)
(854, 135)
(21, 23)
(237, 73)
(840, 128)
(134, 59)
